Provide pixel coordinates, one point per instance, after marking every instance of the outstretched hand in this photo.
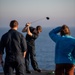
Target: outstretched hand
(28, 24)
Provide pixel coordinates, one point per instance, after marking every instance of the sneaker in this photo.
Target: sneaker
(29, 72)
(38, 70)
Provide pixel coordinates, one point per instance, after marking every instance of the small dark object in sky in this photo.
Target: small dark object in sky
(40, 19)
(47, 18)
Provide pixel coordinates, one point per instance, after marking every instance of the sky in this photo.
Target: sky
(59, 11)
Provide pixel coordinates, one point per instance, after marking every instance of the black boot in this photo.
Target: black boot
(29, 72)
(38, 70)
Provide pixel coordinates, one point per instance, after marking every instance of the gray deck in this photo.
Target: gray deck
(44, 72)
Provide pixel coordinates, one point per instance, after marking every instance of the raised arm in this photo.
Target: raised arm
(53, 34)
(24, 29)
(27, 29)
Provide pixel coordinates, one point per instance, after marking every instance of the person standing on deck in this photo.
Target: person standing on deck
(32, 35)
(15, 47)
(64, 50)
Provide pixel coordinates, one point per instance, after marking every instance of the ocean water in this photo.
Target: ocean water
(45, 48)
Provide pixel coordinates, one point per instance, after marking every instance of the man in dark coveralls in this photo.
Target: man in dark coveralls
(15, 48)
(32, 34)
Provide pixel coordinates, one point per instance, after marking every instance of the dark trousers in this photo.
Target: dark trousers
(64, 69)
(10, 67)
(32, 56)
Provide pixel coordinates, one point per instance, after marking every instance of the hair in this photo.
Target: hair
(65, 30)
(13, 23)
(39, 28)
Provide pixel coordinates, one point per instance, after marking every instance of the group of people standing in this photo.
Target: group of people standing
(20, 50)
